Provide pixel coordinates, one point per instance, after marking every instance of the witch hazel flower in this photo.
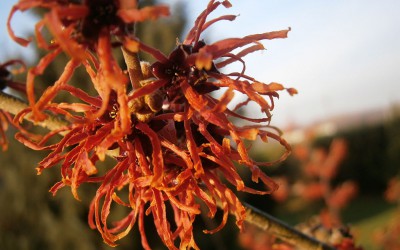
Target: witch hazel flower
(84, 30)
(174, 144)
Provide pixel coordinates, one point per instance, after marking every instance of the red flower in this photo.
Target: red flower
(187, 77)
(392, 193)
(204, 141)
(80, 29)
(342, 195)
(174, 144)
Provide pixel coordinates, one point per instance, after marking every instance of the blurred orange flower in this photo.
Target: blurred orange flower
(342, 195)
(392, 193)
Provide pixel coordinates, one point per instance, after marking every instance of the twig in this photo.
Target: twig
(254, 216)
(13, 105)
(283, 231)
(132, 62)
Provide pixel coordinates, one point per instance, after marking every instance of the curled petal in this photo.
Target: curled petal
(263, 88)
(146, 13)
(157, 158)
(62, 36)
(292, 91)
(194, 33)
(221, 106)
(148, 89)
(160, 219)
(238, 56)
(32, 73)
(22, 41)
(86, 163)
(226, 17)
(223, 47)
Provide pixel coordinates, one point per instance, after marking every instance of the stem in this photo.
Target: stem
(254, 216)
(132, 59)
(14, 105)
(133, 64)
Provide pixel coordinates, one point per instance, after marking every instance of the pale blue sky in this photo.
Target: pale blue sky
(343, 56)
(9, 48)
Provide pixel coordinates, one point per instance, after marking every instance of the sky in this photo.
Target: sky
(342, 56)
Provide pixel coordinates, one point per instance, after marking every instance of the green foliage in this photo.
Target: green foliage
(367, 228)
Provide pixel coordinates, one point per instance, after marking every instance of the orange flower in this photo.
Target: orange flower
(78, 29)
(282, 193)
(254, 239)
(337, 153)
(342, 195)
(392, 193)
(312, 191)
(176, 146)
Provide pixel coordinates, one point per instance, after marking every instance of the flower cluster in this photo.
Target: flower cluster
(314, 183)
(174, 143)
(84, 30)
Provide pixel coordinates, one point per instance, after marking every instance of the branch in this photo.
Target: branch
(13, 105)
(280, 229)
(254, 216)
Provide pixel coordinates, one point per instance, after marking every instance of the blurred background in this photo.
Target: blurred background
(344, 125)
